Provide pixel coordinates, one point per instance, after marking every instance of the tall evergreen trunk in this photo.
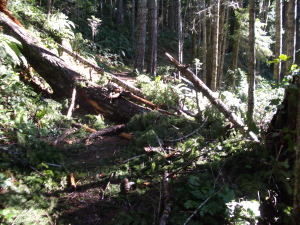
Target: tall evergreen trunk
(222, 40)
(171, 15)
(152, 41)
(278, 40)
(141, 36)
(180, 37)
(133, 19)
(296, 210)
(204, 43)
(120, 12)
(290, 35)
(49, 5)
(252, 62)
(235, 50)
(215, 47)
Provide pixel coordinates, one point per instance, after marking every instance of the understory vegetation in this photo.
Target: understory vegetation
(215, 174)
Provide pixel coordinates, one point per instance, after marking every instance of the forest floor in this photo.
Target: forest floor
(84, 205)
(98, 196)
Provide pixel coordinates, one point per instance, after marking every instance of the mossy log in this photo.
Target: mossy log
(63, 78)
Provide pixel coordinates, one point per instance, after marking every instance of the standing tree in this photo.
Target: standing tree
(296, 210)
(152, 41)
(231, 73)
(180, 38)
(278, 40)
(133, 18)
(290, 35)
(252, 62)
(204, 41)
(141, 36)
(215, 47)
(120, 12)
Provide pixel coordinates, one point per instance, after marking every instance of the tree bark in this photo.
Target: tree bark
(296, 210)
(251, 66)
(290, 36)
(120, 12)
(141, 36)
(62, 78)
(152, 41)
(180, 37)
(215, 47)
(278, 40)
(231, 73)
(204, 41)
(200, 86)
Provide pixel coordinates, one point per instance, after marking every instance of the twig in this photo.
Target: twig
(188, 135)
(107, 185)
(132, 158)
(40, 173)
(69, 115)
(196, 211)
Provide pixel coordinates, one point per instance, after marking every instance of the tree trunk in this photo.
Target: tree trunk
(215, 47)
(204, 42)
(278, 40)
(62, 78)
(290, 35)
(141, 36)
(171, 15)
(200, 86)
(251, 66)
(180, 38)
(152, 41)
(231, 73)
(222, 40)
(133, 19)
(120, 12)
(296, 210)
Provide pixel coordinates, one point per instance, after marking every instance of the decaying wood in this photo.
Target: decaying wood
(63, 78)
(110, 130)
(127, 136)
(100, 70)
(72, 180)
(224, 109)
(166, 196)
(72, 105)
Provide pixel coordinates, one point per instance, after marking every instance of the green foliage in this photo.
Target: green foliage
(59, 24)
(10, 50)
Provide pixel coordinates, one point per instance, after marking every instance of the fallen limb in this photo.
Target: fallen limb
(110, 130)
(224, 109)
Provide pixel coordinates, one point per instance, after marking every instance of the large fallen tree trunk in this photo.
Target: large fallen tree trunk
(63, 78)
(200, 86)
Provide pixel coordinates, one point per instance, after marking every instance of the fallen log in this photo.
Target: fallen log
(100, 70)
(201, 87)
(107, 131)
(63, 78)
